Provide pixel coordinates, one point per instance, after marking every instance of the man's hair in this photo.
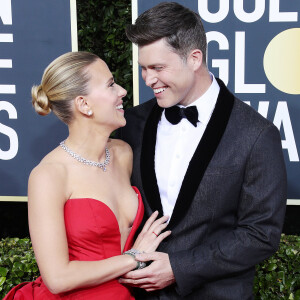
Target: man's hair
(181, 28)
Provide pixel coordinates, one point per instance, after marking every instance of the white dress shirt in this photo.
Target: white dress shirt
(175, 147)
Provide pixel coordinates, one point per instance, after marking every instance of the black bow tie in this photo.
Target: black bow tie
(175, 113)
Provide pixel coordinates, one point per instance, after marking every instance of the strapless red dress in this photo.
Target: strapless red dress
(93, 234)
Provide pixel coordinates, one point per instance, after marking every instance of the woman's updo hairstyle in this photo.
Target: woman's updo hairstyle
(63, 80)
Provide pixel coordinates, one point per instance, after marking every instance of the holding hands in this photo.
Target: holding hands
(159, 273)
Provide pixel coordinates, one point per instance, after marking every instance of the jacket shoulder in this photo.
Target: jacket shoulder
(141, 110)
(136, 118)
(247, 115)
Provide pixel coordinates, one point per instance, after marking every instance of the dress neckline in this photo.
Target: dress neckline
(140, 208)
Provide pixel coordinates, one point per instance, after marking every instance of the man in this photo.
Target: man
(218, 172)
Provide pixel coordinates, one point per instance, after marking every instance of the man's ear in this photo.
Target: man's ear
(82, 105)
(195, 59)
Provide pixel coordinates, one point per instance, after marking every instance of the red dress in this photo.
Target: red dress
(93, 234)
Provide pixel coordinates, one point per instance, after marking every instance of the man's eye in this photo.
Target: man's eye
(157, 68)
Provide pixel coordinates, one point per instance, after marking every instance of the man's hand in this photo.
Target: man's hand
(156, 276)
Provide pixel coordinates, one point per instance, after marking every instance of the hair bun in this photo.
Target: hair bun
(40, 100)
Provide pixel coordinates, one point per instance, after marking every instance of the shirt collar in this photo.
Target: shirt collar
(206, 103)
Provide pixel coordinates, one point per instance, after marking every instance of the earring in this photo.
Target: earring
(89, 113)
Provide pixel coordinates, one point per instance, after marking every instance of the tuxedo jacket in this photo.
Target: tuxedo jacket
(230, 209)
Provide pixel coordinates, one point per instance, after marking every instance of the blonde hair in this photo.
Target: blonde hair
(63, 80)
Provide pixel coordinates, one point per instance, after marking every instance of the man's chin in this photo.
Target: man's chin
(164, 103)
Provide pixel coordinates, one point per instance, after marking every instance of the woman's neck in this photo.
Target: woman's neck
(88, 143)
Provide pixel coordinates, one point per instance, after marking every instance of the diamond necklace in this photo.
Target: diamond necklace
(86, 161)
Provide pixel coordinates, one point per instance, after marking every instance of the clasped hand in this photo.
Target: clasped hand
(156, 276)
(159, 273)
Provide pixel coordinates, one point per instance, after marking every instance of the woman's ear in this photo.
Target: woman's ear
(195, 59)
(82, 106)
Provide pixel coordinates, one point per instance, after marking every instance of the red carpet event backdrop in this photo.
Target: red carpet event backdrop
(254, 47)
(32, 34)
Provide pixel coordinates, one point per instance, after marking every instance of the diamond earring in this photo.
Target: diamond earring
(89, 113)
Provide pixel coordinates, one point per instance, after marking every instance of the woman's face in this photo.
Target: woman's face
(105, 96)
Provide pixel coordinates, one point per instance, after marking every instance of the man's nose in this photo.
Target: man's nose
(150, 78)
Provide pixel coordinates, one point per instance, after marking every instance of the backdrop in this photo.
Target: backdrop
(253, 46)
(32, 34)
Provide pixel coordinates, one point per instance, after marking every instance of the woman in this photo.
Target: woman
(83, 212)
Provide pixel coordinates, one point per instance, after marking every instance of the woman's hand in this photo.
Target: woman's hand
(151, 234)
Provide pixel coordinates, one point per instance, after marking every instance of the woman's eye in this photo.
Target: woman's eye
(112, 84)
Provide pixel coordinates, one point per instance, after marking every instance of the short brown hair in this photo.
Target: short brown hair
(179, 26)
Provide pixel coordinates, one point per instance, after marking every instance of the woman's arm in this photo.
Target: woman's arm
(46, 194)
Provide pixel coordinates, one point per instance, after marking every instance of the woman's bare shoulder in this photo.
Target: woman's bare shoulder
(52, 162)
(50, 173)
(120, 146)
(122, 153)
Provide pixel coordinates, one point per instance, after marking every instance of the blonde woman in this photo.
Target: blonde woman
(83, 211)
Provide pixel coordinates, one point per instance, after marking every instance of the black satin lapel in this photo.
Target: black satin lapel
(203, 154)
(147, 160)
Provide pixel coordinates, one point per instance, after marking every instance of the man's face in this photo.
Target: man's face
(171, 79)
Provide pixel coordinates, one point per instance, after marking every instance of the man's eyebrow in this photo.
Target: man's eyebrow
(151, 66)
